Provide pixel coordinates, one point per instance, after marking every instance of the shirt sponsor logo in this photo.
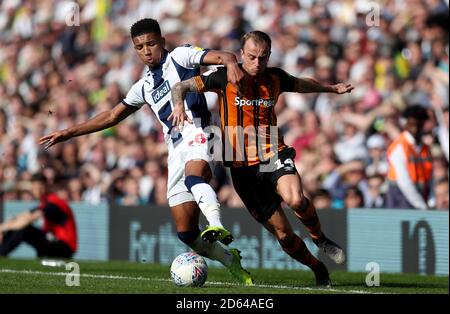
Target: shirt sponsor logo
(253, 102)
(160, 92)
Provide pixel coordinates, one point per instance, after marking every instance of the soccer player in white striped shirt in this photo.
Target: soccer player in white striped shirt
(188, 158)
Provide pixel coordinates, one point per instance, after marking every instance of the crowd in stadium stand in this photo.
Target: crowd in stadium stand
(53, 75)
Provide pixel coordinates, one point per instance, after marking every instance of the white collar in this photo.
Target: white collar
(409, 137)
(411, 140)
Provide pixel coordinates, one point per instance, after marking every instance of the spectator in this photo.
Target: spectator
(90, 178)
(131, 197)
(410, 164)
(441, 194)
(321, 199)
(443, 129)
(59, 222)
(377, 163)
(350, 145)
(440, 168)
(375, 197)
(353, 198)
(343, 177)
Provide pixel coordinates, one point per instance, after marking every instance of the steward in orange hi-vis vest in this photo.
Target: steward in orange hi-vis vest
(419, 164)
(410, 164)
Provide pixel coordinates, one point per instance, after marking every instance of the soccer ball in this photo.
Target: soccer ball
(189, 270)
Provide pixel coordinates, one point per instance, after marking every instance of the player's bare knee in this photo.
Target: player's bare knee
(198, 167)
(294, 201)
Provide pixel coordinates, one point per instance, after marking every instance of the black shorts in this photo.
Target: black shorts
(257, 185)
(37, 238)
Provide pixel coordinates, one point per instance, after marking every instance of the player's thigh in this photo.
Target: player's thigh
(175, 175)
(289, 185)
(285, 177)
(279, 225)
(258, 195)
(197, 156)
(185, 216)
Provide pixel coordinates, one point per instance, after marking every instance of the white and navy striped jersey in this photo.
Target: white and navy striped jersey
(154, 89)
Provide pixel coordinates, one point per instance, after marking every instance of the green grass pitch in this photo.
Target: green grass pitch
(29, 276)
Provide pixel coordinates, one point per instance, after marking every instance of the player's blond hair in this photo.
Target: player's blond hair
(259, 38)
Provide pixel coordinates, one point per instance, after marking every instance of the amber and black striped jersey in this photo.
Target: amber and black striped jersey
(249, 125)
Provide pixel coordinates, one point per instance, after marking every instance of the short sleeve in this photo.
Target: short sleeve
(135, 96)
(287, 81)
(216, 79)
(54, 214)
(189, 56)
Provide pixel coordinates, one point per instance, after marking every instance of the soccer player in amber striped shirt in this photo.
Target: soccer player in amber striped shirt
(262, 165)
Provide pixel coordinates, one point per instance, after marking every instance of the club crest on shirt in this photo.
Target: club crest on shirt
(160, 92)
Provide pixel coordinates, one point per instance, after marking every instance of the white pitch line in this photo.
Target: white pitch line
(219, 283)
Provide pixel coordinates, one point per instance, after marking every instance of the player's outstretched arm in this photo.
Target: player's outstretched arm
(309, 85)
(235, 74)
(100, 122)
(179, 91)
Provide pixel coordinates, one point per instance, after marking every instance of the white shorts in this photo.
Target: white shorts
(180, 198)
(194, 145)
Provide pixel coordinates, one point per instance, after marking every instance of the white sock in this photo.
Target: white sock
(206, 199)
(214, 251)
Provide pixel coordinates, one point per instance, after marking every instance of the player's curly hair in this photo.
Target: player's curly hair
(145, 26)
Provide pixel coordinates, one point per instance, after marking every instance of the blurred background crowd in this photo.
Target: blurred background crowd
(53, 75)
